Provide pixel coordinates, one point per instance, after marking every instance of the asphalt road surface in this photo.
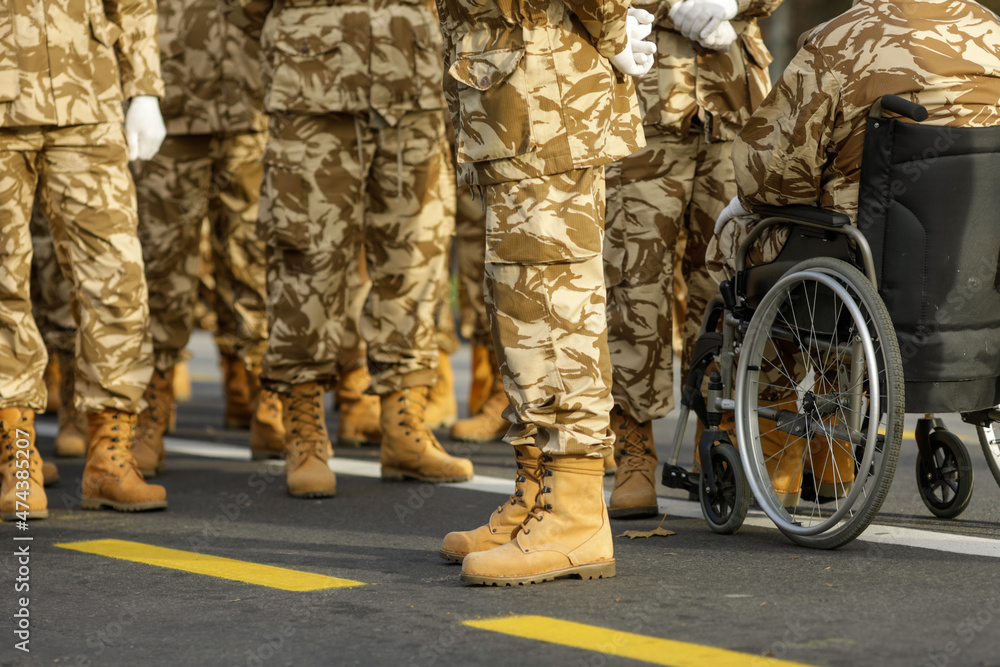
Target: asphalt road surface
(236, 572)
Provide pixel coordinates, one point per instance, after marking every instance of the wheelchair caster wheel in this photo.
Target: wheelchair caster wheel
(725, 507)
(945, 478)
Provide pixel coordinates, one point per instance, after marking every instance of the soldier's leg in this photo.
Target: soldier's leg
(648, 193)
(92, 212)
(357, 411)
(546, 299)
(22, 351)
(311, 198)
(172, 192)
(241, 285)
(407, 235)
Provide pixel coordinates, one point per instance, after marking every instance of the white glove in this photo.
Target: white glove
(721, 38)
(733, 209)
(144, 128)
(697, 19)
(637, 57)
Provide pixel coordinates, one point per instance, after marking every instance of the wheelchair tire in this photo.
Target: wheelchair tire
(945, 480)
(726, 508)
(848, 383)
(990, 442)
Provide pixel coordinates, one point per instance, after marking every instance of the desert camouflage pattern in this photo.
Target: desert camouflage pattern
(531, 90)
(51, 292)
(545, 298)
(72, 62)
(211, 71)
(88, 198)
(675, 182)
(803, 145)
(714, 90)
(470, 256)
(323, 56)
(194, 176)
(325, 178)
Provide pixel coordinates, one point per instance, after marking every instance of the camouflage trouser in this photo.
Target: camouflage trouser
(545, 300)
(327, 179)
(51, 292)
(89, 200)
(190, 178)
(673, 183)
(470, 251)
(721, 263)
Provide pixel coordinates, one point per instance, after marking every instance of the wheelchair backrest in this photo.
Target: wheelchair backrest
(929, 205)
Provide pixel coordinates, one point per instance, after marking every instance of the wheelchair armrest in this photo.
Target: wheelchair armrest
(804, 213)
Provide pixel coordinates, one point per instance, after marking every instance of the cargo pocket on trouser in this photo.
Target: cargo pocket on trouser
(9, 73)
(546, 303)
(488, 78)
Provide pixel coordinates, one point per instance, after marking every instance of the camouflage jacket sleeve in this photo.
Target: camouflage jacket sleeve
(138, 46)
(781, 152)
(605, 21)
(756, 8)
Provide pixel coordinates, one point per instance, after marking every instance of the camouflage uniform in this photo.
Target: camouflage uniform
(64, 70)
(51, 292)
(470, 252)
(356, 142)
(537, 111)
(693, 103)
(804, 143)
(208, 165)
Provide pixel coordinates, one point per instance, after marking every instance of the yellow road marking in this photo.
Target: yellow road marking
(213, 566)
(623, 644)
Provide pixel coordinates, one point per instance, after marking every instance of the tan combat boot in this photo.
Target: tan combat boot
(610, 465)
(832, 465)
(111, 477)
(20, 464)
(307, 443)
(53, 381)
(442, 410)
(409, 448)
(50, 474)
(237, 391)
(489, 424)
(457, 545)
(182, 392)
(634, 496)
(784, 455)
(147, 442)
(483, 373)
(358, 412)
(267, 430)
(566, 533)
(71, 440)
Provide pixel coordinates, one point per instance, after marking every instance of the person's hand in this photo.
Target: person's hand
(721, 38)
(733, 209)
(637, 57)
(144, 128)
(697, 19)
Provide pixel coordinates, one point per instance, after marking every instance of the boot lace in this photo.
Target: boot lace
(635, 444)
(305, 410)
(542, 506)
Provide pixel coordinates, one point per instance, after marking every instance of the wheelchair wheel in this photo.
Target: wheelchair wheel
(990, 442)
(945, 479)
(726, 507)
(820, 402)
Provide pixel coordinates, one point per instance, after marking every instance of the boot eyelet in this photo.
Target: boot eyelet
(548, 489)
(526, 531)
(548, 506)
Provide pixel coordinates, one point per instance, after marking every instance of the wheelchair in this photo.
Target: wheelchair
(819, 353)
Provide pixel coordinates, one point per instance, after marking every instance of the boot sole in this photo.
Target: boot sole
(451, 556)
(604, 570)
(393, 475)
(313, 494)
(641, 512)
(32, 514)
(99, 503)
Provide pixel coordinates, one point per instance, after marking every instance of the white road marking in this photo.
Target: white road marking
(876, 533)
